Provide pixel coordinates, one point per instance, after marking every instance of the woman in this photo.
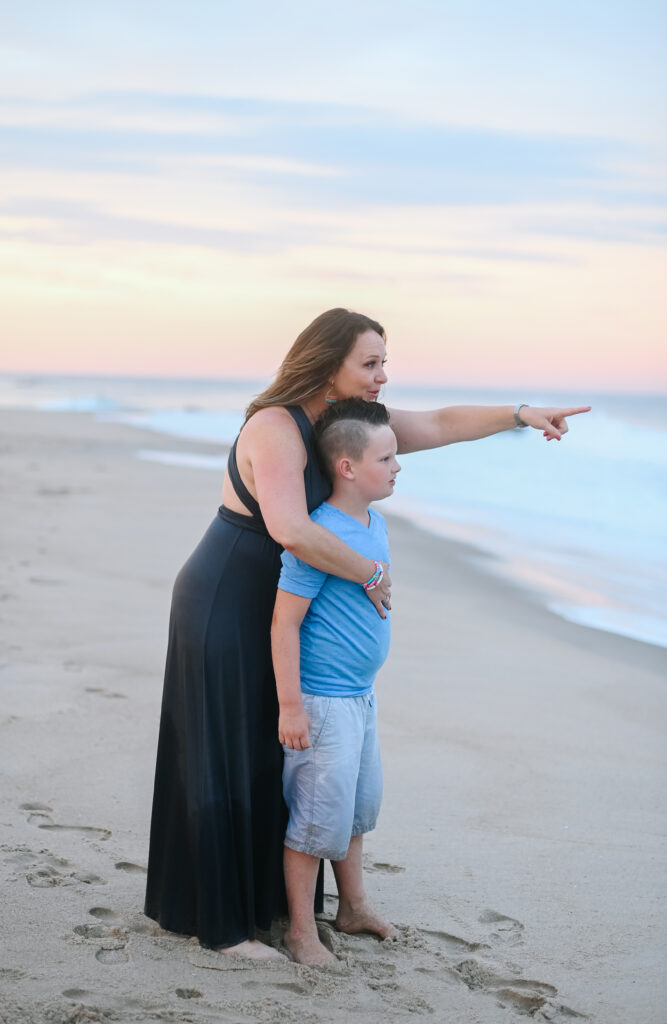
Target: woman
(215, 861)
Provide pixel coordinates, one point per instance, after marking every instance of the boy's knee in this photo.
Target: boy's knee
(325, 848)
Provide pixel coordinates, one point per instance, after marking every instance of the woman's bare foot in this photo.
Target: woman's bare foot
(363, 918)
(307, 949)
(254, 950)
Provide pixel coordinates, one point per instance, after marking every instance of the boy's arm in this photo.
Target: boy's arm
(293, 722)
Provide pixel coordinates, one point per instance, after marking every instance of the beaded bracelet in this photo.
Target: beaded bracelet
(376, 579)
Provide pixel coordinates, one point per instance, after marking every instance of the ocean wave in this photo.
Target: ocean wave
(82, 403)
(192, 460)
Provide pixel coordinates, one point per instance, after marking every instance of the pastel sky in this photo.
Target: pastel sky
(183, 187)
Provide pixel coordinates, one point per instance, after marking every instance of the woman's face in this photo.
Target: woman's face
(362, 374)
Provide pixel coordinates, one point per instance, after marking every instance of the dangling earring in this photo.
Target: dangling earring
(328, 397)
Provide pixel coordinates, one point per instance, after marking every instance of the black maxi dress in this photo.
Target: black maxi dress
(218, 822)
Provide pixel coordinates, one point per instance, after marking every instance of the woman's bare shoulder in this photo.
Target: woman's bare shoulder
(270, 429)
(274, 417)
(271, 414)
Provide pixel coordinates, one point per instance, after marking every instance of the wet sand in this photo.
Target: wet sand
(521, 846)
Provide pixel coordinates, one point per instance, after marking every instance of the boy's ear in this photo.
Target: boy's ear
(345, 469)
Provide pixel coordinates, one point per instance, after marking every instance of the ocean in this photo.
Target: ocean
(582, 522)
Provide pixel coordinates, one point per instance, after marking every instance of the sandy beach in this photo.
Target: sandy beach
(521, 847)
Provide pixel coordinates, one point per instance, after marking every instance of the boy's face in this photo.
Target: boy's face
(375, 472)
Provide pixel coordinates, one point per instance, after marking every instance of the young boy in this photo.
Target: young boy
(328, 643)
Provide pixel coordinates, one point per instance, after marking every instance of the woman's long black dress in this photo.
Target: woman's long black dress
(218, 823)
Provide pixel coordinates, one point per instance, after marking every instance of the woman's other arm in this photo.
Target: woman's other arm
(274, 454)
(416, 431)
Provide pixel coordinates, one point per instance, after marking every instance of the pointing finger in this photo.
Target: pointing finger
(575, 412)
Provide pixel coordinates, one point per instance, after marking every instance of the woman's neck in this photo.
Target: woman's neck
(314, 407)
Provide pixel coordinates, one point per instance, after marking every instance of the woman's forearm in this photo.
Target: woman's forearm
(472, 422)
(417, 431)
(321, 548)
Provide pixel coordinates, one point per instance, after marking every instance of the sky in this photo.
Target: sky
(183, 187)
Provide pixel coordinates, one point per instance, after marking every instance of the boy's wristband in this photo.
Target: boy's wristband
(376, 579)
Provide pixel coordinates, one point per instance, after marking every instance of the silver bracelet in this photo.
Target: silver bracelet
(517, 409)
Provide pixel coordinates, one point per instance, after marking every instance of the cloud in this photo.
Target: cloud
(316, 154)
(65, 222)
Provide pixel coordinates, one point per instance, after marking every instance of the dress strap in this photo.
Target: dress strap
(242, 492)
(302, 422)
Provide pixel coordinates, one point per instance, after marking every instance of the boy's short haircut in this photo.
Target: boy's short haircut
(342, 429)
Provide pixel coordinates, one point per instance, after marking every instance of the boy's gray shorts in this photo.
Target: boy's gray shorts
(334, 788)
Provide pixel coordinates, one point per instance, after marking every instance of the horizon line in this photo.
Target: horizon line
(648, 390)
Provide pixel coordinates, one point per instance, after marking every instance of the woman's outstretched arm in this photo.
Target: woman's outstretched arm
(271, 452)
(416, 431)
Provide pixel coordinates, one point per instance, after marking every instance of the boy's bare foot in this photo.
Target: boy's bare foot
(254, 950)
(307, 949)
(363, 918)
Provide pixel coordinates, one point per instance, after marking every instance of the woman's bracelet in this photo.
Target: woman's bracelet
(376, 579)
(517, 414)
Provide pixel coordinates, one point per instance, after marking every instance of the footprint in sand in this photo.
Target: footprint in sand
(109, 694)
(387, 869)
(46, 876)
(138, 923)
(453, 945)
(112, 955)
(100, 931)
(75, 993)
(44, 870)
(380, 975)
(371, 866)
(39, 814)
(189, 993)
(11, 974)
(126, 865)
(375, 970)
(112, 934)
(93, 830)
(501, 929)
(104, 914)
(525, 997)
(438, 950)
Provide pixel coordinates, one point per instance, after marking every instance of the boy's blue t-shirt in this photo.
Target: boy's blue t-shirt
(343, 639)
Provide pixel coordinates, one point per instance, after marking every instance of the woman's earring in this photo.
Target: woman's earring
(328, 397)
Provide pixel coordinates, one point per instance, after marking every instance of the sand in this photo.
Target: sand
(521, 846)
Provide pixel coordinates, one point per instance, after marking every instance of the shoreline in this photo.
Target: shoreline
(489, 563)
(568, 535)
(559, 596)
(522, 833)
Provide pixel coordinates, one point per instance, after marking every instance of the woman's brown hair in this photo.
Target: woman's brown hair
(315, 355)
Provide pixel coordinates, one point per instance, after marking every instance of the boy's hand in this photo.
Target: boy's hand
(294, 728)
